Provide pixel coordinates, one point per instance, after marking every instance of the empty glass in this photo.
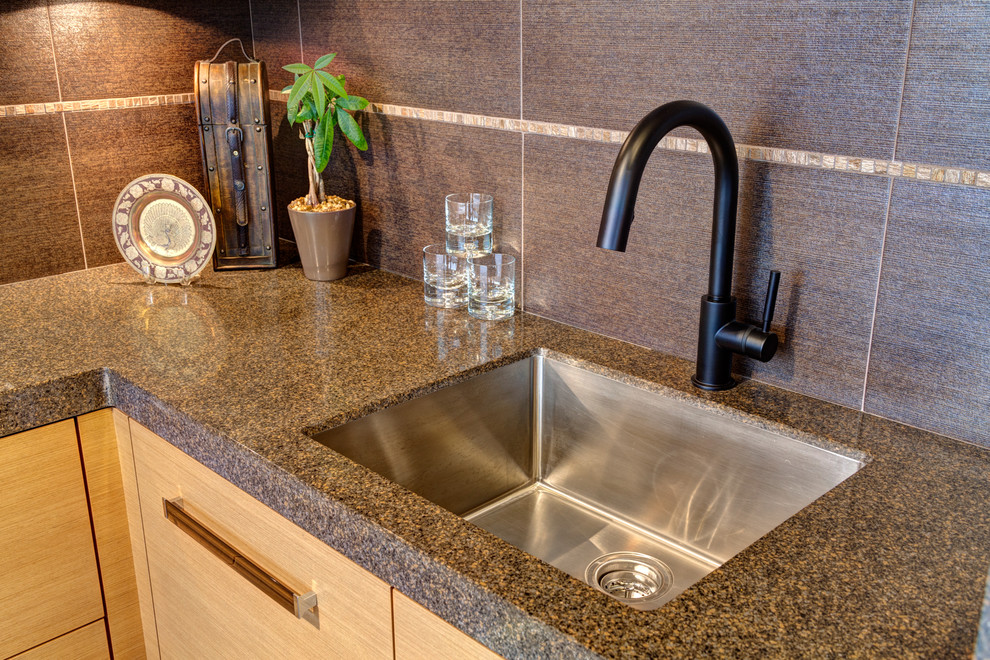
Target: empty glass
(469, 223)
(444, 277)
(492, 286)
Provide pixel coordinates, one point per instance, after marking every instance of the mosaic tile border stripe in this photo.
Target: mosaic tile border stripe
(810, 159)
(95, 104)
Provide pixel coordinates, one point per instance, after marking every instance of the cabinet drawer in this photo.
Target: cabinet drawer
(206, 608)
(86, 643)
(50, 582)
(422, 635)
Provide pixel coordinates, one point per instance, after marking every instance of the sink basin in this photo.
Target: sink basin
(638, 494)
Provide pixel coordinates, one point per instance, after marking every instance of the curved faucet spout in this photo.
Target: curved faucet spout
(720, 335)
(623, 186)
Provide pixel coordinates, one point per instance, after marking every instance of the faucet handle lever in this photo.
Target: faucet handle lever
(771, 299)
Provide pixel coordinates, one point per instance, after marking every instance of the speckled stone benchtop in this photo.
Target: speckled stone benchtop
(240, 368)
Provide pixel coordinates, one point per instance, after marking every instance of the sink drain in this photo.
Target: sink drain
(631, 577)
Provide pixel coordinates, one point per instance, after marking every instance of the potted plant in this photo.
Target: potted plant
(322, 225)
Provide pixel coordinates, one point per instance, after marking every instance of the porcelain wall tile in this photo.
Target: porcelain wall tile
(112, 148)
(930, 361)
(823, 232)
(39, 228)
(822, 76)
(275, 26)
(454, 56)
(946, 108)
(403, 177)
(118, 49)
(27, 63)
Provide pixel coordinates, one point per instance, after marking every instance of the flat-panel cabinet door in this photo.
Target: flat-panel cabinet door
(86, 643)
(207, 608)
(422, 635)
(49, 583)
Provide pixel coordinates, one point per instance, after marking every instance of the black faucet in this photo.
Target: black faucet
(720, 334)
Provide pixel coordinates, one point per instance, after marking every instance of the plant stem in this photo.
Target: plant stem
(316, 194)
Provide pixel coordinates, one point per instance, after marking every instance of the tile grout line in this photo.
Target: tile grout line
(876, 297)
(522, 177)
(522, 225)
(520, 60)
(886, 215)
(254, 48)
(51, 40)
(302, 55)
(75, 194)
(907, 58)
(65, 132)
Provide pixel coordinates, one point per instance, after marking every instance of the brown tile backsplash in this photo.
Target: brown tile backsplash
(39, 228)
(946, 111)
(426, 53)
(290, 167)
(816, 75)
(27, 66)
(812, 87)
(401, 181)
(821, 231)
(276, 38)
(112, 148)
(930, 361)
(110, 49)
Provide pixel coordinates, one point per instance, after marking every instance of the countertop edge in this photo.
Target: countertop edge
(514, 633)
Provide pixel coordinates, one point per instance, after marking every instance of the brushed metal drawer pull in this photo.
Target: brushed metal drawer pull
(302, 605)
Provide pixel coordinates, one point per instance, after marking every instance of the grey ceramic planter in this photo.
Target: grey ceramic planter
(324, 242)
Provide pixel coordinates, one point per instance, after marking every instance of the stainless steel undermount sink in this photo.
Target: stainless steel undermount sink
(638, 494)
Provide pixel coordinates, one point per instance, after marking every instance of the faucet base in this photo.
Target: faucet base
(718, 387)
(714, 368)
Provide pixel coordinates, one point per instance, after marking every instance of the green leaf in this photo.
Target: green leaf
(332, 83)
(324, 61)
(319, 94)
(352, 103)
(300, 68)
(286, 89)
(308, 111)
(322, 144)
(351, 129)
(296, 94)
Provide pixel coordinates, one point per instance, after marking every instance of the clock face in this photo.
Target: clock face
(167, 227)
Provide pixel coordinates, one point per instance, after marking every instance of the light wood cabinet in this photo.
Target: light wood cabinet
(99, 442)
(86, 643)
(422, 635)
(83, 499)
(205, 608)
(50, 584)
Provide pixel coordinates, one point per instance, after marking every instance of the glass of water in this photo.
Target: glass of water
(445, 277)
(469, 223)
(492, 286)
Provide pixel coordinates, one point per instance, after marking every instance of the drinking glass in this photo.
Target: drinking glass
(492, 286)
(469, 223)
(444, 277)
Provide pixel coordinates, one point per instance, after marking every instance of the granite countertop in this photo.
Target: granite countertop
(238, 369)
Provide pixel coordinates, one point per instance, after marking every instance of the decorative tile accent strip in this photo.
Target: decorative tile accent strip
(96, 104)
(811, 159)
